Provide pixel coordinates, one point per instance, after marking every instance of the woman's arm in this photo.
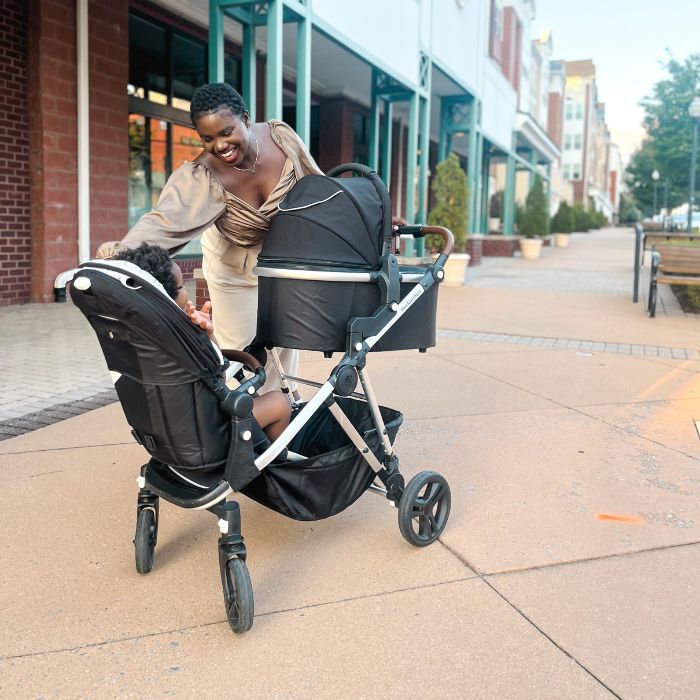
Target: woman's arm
(191, 201)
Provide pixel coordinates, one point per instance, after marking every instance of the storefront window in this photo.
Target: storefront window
(166, 66)
(147, 60)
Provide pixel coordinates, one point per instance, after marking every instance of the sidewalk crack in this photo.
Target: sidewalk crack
(550, 639)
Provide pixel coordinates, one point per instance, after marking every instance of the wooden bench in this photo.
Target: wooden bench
(652, 238)
(673, 264)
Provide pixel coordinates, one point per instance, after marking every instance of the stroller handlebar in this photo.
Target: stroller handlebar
(418, 231)
(250, 363)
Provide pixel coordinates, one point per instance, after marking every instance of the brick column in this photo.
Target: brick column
(336, 138)
(14, 157)
(52, 99)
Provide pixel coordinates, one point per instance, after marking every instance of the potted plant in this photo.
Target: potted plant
(534, 222)
(450, 210)
(563, 224)
(495, 211)
(582, 219)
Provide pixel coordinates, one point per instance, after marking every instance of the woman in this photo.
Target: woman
(228, 194)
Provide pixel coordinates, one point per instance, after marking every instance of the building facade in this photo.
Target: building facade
(99, 93)
(589, 158)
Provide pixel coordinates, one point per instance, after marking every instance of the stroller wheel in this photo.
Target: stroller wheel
(238, 596)
(424, 508)
(145, 540)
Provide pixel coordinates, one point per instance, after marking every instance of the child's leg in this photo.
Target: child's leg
(272, 411)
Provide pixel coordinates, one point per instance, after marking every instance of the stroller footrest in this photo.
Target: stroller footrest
(161, 480)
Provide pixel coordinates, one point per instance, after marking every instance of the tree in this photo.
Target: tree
(669, 135)
(496, 205)
(629, 214)
(582, 219)
(563, 220)
(450, 210)
(535, 218)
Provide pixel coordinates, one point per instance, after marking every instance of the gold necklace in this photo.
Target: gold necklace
(257, 153)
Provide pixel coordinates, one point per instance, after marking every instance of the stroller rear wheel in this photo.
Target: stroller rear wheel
(145, 540)
(238, 596)
(424, 508)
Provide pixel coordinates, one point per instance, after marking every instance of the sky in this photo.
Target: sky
(627, 40)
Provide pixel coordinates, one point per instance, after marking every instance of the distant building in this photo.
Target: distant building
(586, 140)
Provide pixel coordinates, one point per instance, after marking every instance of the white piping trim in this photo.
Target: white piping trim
(318, 275)
(189, 481)
(308, 206)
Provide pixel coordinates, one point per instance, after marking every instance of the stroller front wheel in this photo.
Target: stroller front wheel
(145, 540)
(238, 596)
(424, 508)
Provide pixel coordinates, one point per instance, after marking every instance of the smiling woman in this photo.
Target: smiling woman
(228, 194)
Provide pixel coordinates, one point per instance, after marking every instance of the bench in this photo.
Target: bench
(672, 264)
(652, 238)
(644, 240)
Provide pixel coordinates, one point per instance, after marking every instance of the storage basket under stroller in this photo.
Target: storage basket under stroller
(319, 267)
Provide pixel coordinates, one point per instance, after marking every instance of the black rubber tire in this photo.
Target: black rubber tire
(238, 596)
(425, 503)
(144, 542)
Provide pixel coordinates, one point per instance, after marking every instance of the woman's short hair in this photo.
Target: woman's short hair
(154, 260)
(213, 97)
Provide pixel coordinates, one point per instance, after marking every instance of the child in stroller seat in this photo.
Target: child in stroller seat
(272, 410)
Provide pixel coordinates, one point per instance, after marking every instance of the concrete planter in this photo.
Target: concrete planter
(530, 248)
(456, 269)
(561, 240)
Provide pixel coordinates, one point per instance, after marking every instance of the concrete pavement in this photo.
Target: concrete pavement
(569, 567)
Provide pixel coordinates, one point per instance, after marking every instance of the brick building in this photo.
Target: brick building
(97, 97)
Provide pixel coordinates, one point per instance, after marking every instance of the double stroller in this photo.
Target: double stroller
(328, 282)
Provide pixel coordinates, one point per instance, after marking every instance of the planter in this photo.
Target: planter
(530, 248)
(499, 246)
(494, 224)
(561, 240)
(456, 269)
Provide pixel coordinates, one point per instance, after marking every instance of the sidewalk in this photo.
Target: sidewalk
(562, 418)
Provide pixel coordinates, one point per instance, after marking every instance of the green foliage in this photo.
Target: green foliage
(496, 205)
(582, 220)
(450, 210)
(534, 221)
(669, 137)
(519, 214)
(629, 214)
(563, 220)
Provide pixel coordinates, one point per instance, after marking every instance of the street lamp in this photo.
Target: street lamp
(655, 177)
(694, 111)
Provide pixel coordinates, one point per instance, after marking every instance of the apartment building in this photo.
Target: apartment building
(586, 160)
(105, 87)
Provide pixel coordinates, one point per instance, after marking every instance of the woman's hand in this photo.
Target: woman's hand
(397, 221)
(106, 250)
(201, 317)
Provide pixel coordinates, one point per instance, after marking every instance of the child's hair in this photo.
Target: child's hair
(154, 260)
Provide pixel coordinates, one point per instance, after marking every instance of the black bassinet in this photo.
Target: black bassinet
(320, 262)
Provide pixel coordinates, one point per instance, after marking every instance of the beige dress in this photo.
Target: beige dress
(194, 202)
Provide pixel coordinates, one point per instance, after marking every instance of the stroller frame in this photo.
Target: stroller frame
(423, 504)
